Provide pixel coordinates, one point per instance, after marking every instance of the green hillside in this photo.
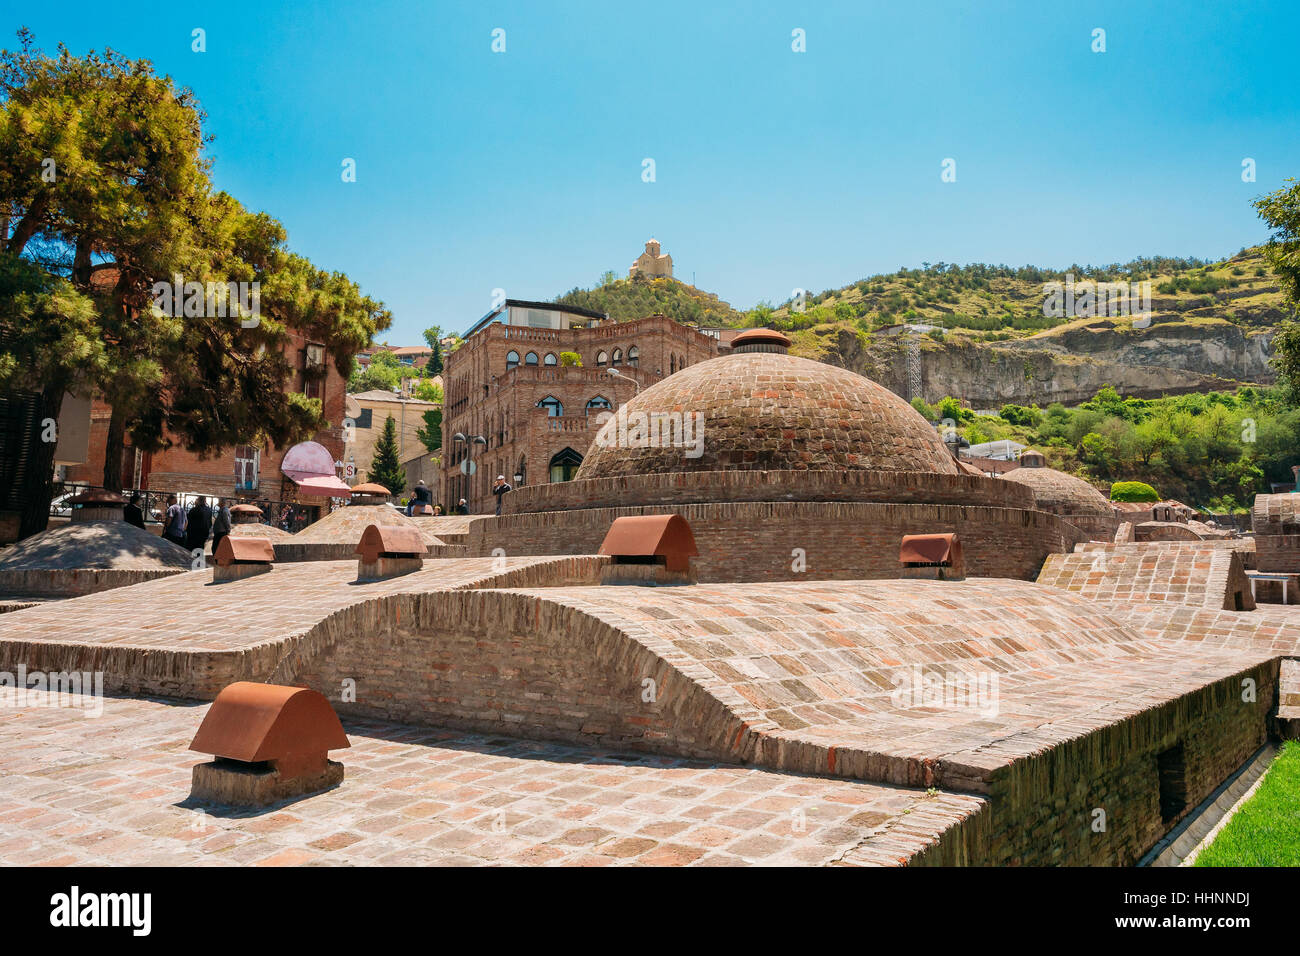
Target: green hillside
(977, 302)
(637, 297)
(998, 303)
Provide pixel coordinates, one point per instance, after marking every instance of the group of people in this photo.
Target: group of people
(422, 496)
(190, 528)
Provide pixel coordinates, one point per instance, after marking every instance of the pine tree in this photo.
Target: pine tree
(385, 469)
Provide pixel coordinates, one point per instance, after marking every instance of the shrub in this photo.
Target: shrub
(1133, 491)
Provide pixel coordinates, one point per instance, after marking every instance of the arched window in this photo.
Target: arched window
(618, 357)
(550, 359)
(672, 364)
(530, 358)
(601, 358)
(521, 473)
(597, 403)
(552, 406)
(512, 360)
(565, 465)
(633, 354)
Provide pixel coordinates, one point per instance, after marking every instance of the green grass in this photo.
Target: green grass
(1266, 831)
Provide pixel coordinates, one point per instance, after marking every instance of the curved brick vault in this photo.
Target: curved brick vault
(798, 677)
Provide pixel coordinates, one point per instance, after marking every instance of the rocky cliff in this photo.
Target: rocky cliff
(1066, 365)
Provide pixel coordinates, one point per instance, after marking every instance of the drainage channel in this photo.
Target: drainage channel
(1181, 845)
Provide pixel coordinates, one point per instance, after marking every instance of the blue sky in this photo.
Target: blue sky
(774, 169)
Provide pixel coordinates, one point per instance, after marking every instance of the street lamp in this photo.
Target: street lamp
(617, 373)
(467, 467)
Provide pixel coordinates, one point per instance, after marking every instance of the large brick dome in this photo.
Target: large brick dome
(1061, 494)
(769, 411)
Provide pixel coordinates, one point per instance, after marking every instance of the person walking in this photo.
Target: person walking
(501, 488)
(174, 522)
(463, 507)
(132, 513)
(220, 523)
(198, 525)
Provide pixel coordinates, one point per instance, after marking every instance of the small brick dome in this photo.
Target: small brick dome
(769, 411)
(1061, 494)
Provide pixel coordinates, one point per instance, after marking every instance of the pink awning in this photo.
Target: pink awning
(326, 486)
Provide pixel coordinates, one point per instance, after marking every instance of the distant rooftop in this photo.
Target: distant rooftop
(495, 314)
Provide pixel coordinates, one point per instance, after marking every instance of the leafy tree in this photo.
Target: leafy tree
(384, 372)
(430, 434)
(52, 343)
(386, 469)
(124, 206)
(1281, 210)
(570, 360)
(1021, 415)
(429, 391)
(433, 336)
(1133, 491)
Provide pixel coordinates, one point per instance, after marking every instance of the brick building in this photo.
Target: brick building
(246, 471)
(536, 416)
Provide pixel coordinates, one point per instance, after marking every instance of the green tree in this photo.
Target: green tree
(1281, 210)
(570, 360)
(126, 183)
(386, 469)
(52, 343)
(383, 372)
(1133, 491)
(433, 336)
(428, 390)
(430, 434)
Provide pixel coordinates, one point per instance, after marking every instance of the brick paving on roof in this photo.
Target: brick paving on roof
(115, 790)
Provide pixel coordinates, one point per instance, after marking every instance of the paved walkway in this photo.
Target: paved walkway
(188, 612)
(114, 790)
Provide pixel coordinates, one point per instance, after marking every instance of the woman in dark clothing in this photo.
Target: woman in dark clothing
(198, 525)
(132, 513)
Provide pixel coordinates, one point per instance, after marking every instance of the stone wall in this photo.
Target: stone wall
(730, 486)
(66, 583)
(517, 664)
(197, 669)
(757, 541)
(497, 663)
(1044, 808)
(1199, 577)
(1278, 552)
(1164, 531)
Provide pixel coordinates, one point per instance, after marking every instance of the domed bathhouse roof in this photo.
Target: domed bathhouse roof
(1061, 494)
(767, 411)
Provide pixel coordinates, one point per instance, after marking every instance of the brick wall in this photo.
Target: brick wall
(678, 488)
(1199, 577)
(1043, 808)
(508, 662)
(1278, 552)
(755, 541)
(518, 664)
